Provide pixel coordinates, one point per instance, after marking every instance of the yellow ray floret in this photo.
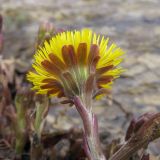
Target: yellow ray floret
(67, 60)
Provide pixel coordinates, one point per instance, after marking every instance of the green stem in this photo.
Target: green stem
(19, 145)
(20, 126)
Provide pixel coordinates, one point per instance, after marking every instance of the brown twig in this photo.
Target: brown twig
(148, 132)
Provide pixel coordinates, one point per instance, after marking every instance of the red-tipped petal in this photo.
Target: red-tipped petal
(50, 67)
(49, 80)
(72, 54)
(102, 70)
(61, 94)
(104, 79)
(53, 91)
(68, 54)
(82, 53)
(93, 57)
(51, 85)
(101, 91)
(57, 61)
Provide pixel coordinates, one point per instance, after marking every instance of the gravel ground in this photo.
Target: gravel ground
(133, 24)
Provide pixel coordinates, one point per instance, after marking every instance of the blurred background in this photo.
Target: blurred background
(134, 25)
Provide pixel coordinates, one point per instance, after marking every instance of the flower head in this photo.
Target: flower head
(75, 63)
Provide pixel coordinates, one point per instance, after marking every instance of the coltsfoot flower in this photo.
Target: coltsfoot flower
(75, 63)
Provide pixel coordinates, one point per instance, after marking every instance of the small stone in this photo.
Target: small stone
(135, 69)
(152, 61)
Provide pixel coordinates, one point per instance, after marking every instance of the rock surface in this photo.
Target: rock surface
(133, 24)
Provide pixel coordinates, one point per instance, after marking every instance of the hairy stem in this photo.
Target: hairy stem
(91, 138)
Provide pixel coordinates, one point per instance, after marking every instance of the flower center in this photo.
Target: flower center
(73, 70)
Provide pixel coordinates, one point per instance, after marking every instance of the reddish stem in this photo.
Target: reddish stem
(91, 137)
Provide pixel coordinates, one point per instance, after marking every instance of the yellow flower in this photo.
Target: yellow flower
(75, 63)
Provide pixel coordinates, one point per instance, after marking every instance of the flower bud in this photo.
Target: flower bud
(46, 31)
